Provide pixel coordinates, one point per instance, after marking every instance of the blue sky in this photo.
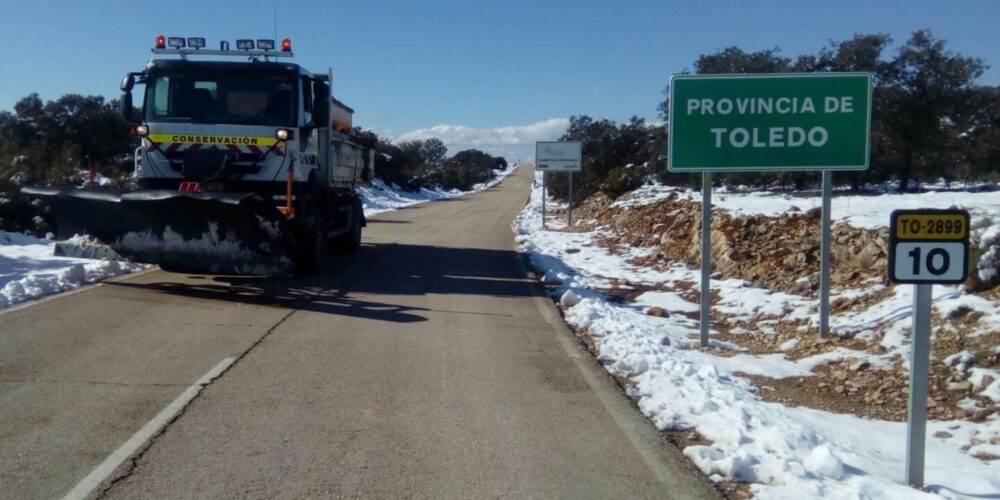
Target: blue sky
(473, 65)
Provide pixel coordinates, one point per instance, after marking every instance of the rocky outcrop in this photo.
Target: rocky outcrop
(781, 253)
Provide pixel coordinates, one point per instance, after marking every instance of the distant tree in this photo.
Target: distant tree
(424, 162)
(860, 53)
(51, 142)
(364, 138)
(464, 170)
(978, 142)
(735, 60)
(433, 151)
(926, 92)
(414, 151)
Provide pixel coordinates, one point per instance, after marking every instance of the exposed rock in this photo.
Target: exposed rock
(959, 311)
(963, 386)
(859, 365)
(659, 312)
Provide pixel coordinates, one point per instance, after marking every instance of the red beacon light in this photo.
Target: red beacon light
(161, 42)
(286, 45)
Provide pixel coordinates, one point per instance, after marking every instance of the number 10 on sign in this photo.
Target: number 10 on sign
(929, 246)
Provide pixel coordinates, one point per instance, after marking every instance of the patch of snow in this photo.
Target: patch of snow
(788, 345)
(29, 270)
(381, 197)
(569, 299)
(670, 301)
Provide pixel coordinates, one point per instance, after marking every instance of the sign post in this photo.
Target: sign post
(776, 122)
(569, 213)
(824, 257)
(544, 195)
(706, 255)
(926, 247)
(559, 156)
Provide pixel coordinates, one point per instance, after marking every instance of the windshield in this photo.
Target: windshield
(233, 99)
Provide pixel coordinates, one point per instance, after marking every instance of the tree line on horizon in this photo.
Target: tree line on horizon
(931, 120)
(423, 163)
(53, 143)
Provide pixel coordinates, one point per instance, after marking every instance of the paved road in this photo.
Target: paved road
(429, 365)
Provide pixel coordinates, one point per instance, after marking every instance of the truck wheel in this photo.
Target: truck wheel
(350, 242)
(308, 251)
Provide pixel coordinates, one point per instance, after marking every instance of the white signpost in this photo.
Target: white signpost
(559, 156)
(926, 248)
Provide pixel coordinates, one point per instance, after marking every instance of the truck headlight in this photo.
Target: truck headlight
(142, 130)
(283, 134)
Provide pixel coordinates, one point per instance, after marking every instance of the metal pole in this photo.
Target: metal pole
(543, 199)
(920, 350)
(824, 260)
(570, 217)
(706, 253)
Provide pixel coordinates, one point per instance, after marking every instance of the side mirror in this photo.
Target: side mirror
(321, 105)
(128, 82)
(125, 105)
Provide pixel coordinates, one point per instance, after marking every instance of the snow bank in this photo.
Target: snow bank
(381, 197)
(863, 211)
(29, 270)
(785, 452)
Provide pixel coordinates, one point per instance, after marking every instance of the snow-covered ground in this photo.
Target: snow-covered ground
(786, 452)
(29, 269)
(864, 211)
(380, 197)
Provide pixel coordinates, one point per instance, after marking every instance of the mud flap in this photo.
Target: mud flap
(212, 233)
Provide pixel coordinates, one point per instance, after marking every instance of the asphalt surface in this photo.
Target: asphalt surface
(429, 365)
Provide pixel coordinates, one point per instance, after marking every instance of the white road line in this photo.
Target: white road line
(108, 466)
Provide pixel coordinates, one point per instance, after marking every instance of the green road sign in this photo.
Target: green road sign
(804, 121)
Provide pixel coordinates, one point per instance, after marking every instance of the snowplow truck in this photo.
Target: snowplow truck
(244, 167)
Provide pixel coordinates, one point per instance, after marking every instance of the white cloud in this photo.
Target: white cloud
(512, 142)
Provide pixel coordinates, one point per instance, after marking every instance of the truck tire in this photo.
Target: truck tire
(308, 251)
(350, 242)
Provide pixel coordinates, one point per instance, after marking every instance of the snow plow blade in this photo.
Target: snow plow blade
(194, 232)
